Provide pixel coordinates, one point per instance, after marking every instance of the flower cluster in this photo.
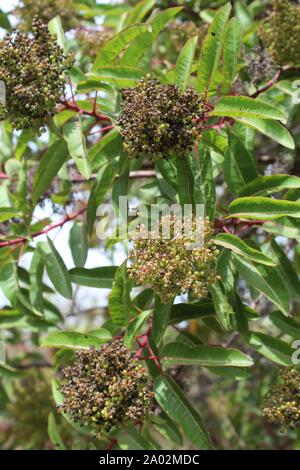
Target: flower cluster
(92, 40)
(260, 66)
(106, 387)
(282, 404)
(158, 120)
(280, 32)
(171, 261)
(181, 31)
(32, 69)
(46, 10)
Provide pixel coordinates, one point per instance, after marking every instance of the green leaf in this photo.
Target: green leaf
(285, 268)
(263, 208)
(286, 325)
(178, 408)
(183, 67)
(95, 277)
(78, 243)
(75, 340)
(240, 247)
(112, 48)
(160, 320)
(272, 129)
(56, 29)
(7, 213)
(232, 47)
(54, 433)
(212, 49)
(186, 183)
(118, 76)
(75, 140)
(36, 280)
(244, 106)
(222, 306)
(99, 190)
(119, 302)
(141, 45)
(107, 149)
(266, 185)
(204, 182)
(183, 354)
(182, 312)
(273, 349)
(49, 166)
(266, 280)
(140, 10)
(284, 226)
(135, 326)
(56, 268)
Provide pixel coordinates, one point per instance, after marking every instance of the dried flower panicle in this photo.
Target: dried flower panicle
(158, 120)
(280, 32)
(32, 69)
(260, 66)
(46, 10)
(92, 40)
(169, 265)
(106, 387)
(282, 404)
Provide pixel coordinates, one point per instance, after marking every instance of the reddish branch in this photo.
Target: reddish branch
(94, 113)
(235, 225)
(45, 230)
(3, 176)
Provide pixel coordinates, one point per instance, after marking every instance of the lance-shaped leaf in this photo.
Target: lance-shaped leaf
(75, 340)
(118, 76)
(135, 326)
(49, 166)
(75, 139)
(112, 48)
(212, 49)
(100, 188)
(232, 47)
(240, 247)
(56, 29)
(181, 312)
(222, 306)
(272, 129)
(284, 226)
(160, 321)
(244, 106)
(141, 44)
(140, 10)
(7, 213)
(286, 325)
(183, 67)
(36, 280)
(54, 433)
(119, 302)
(56, 269)
(78, 243)
(186, 183)
(174, 403)
(263, 208)
(95, 277)
(210, 356)
(266, 185)
(273, 349)
(266, 280)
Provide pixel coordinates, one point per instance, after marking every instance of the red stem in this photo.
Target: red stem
(77, 109)
(45, 230)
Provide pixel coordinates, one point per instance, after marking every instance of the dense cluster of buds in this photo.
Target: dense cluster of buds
(92, 40)
(106, 387)
(175, 264)
(28, 412)
(181, 31)
(260, 66)
(32, 69)
(282, 404)
(280, 32)
(158, 120)
(46, 10)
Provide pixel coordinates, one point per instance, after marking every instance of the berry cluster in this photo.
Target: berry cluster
(260, 66)
(282, 404)
(175, 265)
(106, 387)
(32, 69)
(280, 32)
(158, 120)
(46, 10)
